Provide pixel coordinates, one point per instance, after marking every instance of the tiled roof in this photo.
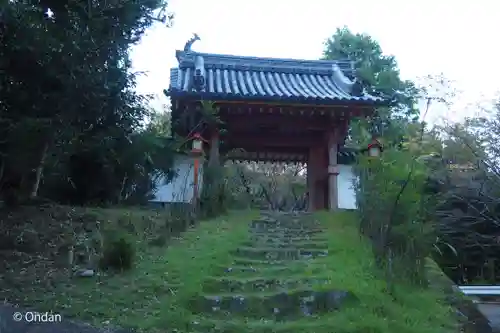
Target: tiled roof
(227, 77)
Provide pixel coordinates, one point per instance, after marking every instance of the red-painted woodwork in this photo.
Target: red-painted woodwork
(281, 133)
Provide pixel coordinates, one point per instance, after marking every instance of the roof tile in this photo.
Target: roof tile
(214, 76)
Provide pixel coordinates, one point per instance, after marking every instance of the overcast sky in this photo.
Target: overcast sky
(457, 38)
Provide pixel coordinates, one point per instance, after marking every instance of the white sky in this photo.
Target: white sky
(457, 38)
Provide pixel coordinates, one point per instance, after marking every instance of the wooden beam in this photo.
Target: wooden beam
(289, 111)
(267, 159)
(296, 105)
(294, 116)
(339, 131)
(239, 122)
(266, 156)
(269, 141)
(272, 150)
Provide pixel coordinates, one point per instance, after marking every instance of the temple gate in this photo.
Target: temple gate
(278, 110)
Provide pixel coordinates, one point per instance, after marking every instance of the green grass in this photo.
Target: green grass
(153, 296)
(148, 297)
(350, 266)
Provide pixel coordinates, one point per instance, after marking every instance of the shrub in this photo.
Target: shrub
(214, 198)
(395, 212)
(127, 224)
(118, 253)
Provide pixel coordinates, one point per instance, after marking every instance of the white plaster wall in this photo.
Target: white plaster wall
(345, 182)
(180, 188)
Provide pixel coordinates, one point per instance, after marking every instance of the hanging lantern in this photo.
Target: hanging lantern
(197, 143)
(374, 148)
(197, 152)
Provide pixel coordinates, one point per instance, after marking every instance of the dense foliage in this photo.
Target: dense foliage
(380, 75)
(390, 216)
(279, 186)
(69, 116)
(434, 190)
(72, 131)
(396, 220)
(469, 214)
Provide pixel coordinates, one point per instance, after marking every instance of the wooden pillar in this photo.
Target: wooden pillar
(322, 180)
(310, 183)
(214, 154)
(333, 171)
(316, 168)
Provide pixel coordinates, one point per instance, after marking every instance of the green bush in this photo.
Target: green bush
(395, 212)
(214, 197)
(119, 252)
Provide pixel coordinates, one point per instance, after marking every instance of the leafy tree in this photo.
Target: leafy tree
(395, 210)
(68, 103)
(379, 74)
(468, 218)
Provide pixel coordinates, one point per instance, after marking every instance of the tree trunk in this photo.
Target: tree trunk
(39, 171)
(122, 195)
(2, 170)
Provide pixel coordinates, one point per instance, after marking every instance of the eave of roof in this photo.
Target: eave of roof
(235, 78)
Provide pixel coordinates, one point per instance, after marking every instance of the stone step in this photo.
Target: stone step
(259, 283)
(278, 253)
(279, 230)
(285, 244)
(263, 220)
(287, 305)
(202, 324)
(287, 234)
(266, 212)
(286, 231)
(288, 238)
(275, 270)
(275, 238)
(281, 225)
(295, 219)
(262, 270)
(260, 262)
(284, 224)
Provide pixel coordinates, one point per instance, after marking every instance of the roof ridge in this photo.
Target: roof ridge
(187, 58)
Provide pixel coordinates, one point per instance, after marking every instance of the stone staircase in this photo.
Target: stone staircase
(272, 284)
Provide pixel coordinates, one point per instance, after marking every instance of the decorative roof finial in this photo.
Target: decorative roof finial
(358, 88)
(189, 43)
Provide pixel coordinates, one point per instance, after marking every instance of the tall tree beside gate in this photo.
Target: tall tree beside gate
(68, 93)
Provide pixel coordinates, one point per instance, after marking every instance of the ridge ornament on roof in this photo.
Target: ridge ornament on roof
(230, 77)
(190, 42)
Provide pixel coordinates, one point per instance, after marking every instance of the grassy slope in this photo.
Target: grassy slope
(350, 266)
(353, 268)
(152, 296)
(146, 297)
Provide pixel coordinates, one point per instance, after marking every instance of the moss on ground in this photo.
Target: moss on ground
(349, 266)
(352, 267)
(146, 297)
(155, 295)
